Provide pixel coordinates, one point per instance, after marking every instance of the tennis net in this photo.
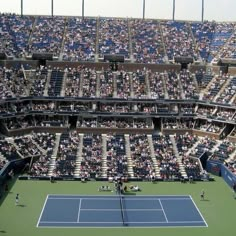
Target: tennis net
(122, 209)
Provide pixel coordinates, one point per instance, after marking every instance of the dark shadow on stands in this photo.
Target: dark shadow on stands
(4, 194)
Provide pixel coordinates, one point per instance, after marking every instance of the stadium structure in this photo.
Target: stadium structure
(103, 98)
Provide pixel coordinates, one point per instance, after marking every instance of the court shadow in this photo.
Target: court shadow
(4, 194)
(21, 205)
(129, 193)
(9, 192)
(205, 200)
(2, 231)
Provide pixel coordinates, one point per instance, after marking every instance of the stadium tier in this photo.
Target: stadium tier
(160, 115)
(140, 41)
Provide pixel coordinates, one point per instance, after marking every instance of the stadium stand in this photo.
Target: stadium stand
(74, 117)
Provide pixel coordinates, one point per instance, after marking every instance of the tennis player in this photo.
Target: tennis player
(202, 194)
(17, 199)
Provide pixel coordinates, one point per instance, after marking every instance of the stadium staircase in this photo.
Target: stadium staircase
(232, 85)
(206, 80)
(128, 154)
(196, 83)
(175, 150)
(218, 143)
(98, 83)
(165, 88)
(79, 156)
(157, 169)
(222, 86)
(232, 156)
(188, 153)
(43, 151)
(147, 82)
(31, 32)
(225, 45)
(209, 80)
(233, 99)
(194, 40)
(181, 88)
(11, 140)
(63, 39)
(166, 60)
(63, 86)
(97, 41)
(131, 85)
(54, 155)
(30, 75)
(132, 60)
(114, 84)
(49, 72)
(222, 89)
(104, 155)
(199, 77)
(26, 78)
(199, 152)
(214, 112)
(81, 81)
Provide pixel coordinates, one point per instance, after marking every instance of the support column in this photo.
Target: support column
(21, 8)
(82, 9)
(173, 15)
(144, 3)
(202, 10)
(52, 8)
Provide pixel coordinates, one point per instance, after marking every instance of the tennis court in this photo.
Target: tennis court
(116, 211)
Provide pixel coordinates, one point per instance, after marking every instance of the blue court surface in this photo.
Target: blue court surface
(116, 211)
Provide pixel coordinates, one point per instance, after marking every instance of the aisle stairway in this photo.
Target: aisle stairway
(104, 155)
(128, 154)
(79, 156)
(54, 154)
(157, 170)
(181, 166)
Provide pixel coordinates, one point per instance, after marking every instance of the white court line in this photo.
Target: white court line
(67, 198)
(122, 227)
(198, 211)
(117, 198)
(119, 222)
(42, 211)
(86, 195)
(96, 209)
(139, 197)
(175, 199)
(80, 202)
(154, 199)
(163, 211)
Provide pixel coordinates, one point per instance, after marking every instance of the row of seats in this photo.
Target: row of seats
(150, 41)
(141, 84)
(92, 155)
